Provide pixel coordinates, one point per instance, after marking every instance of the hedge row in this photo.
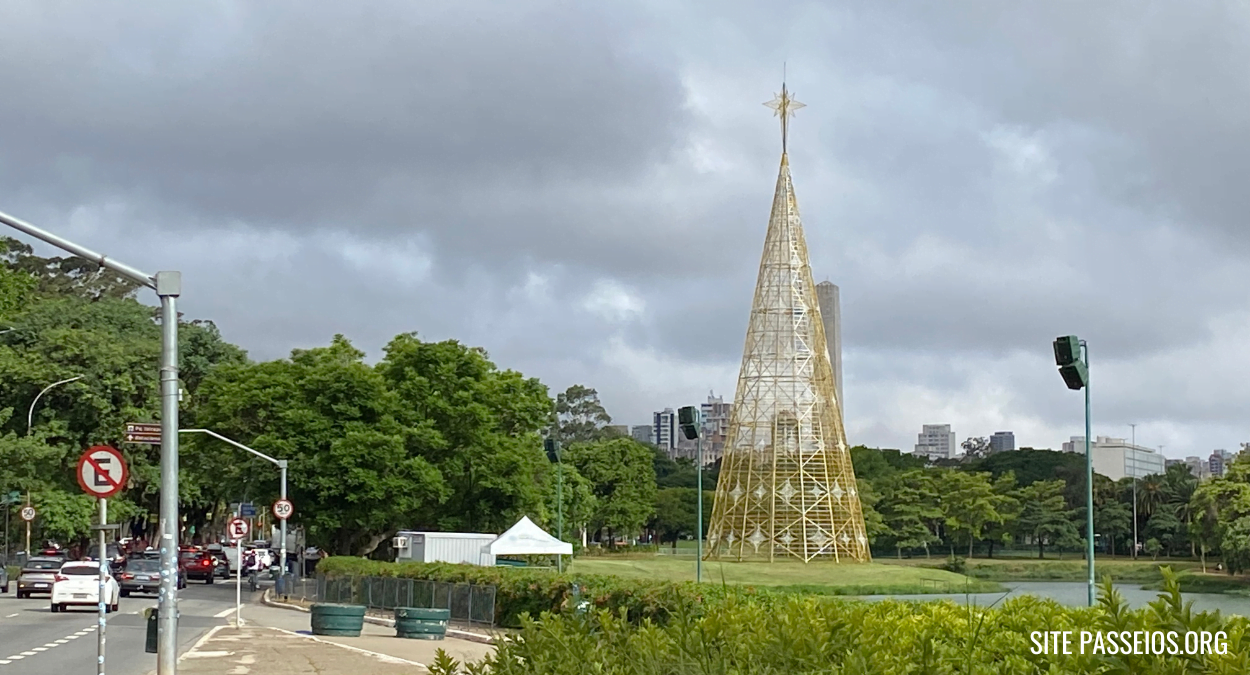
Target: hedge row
(520, 591)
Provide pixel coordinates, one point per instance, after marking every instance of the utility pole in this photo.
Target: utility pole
(552, 448)
(168, 287)
(689, 418)
(1133, 444)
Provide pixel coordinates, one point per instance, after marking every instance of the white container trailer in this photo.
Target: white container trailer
(449, 547)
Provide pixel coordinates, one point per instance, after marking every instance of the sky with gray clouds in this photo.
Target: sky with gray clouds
(582, 188)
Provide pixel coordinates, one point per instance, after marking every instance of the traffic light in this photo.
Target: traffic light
(1068, 357)
(552, 446)
(688, 420)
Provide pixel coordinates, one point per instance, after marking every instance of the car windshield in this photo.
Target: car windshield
(43, 565)
(81, 570)
(144, 566)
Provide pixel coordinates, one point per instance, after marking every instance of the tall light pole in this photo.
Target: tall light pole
(552, 446)
(168, 286)
(30, 414)
(1072, 357)
(1133, 445)
(689, 418)
(280, 463)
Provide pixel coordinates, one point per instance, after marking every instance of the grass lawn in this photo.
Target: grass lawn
(1071, 568)
(817, 577)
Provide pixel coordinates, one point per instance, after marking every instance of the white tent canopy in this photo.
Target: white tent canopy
(526, 538)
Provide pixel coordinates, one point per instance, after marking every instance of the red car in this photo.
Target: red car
(199, 565)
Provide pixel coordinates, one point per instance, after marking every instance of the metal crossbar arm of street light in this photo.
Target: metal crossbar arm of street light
(103, 261)
(30, 415)
(281, 463)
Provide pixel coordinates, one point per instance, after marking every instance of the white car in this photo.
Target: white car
(78, 583)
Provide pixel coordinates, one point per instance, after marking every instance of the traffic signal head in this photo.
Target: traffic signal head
(1075, 375)
(688, 419)
(552, 446)
(1067, 350)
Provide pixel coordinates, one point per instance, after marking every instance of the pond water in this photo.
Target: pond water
(1074, 593)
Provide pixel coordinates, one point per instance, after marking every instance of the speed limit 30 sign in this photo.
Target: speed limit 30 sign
(282, 509)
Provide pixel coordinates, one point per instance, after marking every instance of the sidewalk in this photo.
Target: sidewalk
(374, 638)
(229, 650)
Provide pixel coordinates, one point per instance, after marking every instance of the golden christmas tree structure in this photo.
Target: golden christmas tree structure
(786, 487)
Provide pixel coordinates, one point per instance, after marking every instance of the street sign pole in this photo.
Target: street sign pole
(168, 286)
(237, 528)
(103, 605)
(282, 549)
(28, 529)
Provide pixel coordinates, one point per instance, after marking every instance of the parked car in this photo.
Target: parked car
(143, 575)
(38, 575)
(199, 565)
(116, 556)
(78, 583)
(4, 579)
(222, 568)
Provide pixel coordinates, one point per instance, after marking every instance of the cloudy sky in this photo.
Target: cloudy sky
(583, 188)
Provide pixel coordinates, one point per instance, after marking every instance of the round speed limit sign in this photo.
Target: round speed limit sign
(28, 513)
(282, 509)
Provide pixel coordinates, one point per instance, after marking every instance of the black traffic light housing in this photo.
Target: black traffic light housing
(1068, 357)
(688, 420)
(552, 446)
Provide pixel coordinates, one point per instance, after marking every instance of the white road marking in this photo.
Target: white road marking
(5, 662)
(51, 645)
(75, 636)
(12, 615)
(40, 649)
(62, 641)
(16, 657)
(28, 653)
(219, 615)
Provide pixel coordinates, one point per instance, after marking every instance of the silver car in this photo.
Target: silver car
(4, 579)
(38, 575)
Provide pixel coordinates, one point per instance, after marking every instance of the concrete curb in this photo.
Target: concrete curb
(469, 636)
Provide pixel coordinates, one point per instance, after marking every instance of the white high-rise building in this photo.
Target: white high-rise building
(1116, 458)
(665, 425)
(936, 441)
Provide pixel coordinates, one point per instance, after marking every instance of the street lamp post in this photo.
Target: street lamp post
(280, 463)
(1133, 443)
(689, 418)
(30, 414)
(552, 447)
(168, 287)
(1072, 357)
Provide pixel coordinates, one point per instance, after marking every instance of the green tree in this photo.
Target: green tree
(580, 418)
(1114, 520)
(623, 475)
(969, 504)
(908, 505)
(1044, 516)
(580, 503)
(874, 523)
(1153, 547)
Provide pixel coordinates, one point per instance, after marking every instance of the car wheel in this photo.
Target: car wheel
(210, 580)
(125, 594)
(4, 588)
(55, 608)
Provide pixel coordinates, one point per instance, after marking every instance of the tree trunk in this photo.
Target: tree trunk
(1204, 558)
(371, 544)
(991, 548)
(1041, 549)
(899, 551)
(971, 540)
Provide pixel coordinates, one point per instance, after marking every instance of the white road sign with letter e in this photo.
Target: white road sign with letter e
(282, 509)
(102, 471)
(28, 513)
(237, 529)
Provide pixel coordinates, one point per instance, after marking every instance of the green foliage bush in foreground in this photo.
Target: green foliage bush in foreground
(641, 628)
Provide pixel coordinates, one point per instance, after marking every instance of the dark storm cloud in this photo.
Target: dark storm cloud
(383, 117)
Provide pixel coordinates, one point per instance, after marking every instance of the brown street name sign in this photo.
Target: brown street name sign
(143, 433)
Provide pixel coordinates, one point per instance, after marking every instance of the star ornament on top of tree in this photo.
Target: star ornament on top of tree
(784, 106)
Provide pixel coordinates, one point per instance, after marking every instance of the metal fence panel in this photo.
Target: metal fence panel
(468, 603)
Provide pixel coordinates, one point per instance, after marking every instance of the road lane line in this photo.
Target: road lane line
(40, 649)
(12, 615)
(224, 613)
(50, 645)
(62, 641)
(5, 662)
(28, 653)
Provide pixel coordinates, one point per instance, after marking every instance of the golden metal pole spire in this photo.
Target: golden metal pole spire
(784, 106)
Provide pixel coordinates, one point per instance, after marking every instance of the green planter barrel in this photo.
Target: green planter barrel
(421, 624)
(337, 620)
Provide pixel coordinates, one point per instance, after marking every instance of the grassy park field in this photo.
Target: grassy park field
(819, 577)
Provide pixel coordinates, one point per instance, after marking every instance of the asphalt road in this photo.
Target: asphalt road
(34, 641)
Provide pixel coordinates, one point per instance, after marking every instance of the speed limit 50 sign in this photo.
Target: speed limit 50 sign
(282, 509)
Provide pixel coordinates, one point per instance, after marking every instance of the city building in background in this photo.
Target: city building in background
(1219, 461)
(1198, 466)
(621, 429)
(1002, 441)
(936, 441)
(1116, 458)
(1074, 444)
(829, 298)
(716, 414)
(643, 433)
(664, 424)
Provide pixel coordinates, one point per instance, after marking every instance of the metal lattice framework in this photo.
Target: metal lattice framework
(786, 488)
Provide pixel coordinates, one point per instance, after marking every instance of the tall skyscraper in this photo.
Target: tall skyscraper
(1002, 441)
(830, 300)
(665, 425)
(786, 488)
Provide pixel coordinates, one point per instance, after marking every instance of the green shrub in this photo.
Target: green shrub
(955, 564)
(799, 635)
